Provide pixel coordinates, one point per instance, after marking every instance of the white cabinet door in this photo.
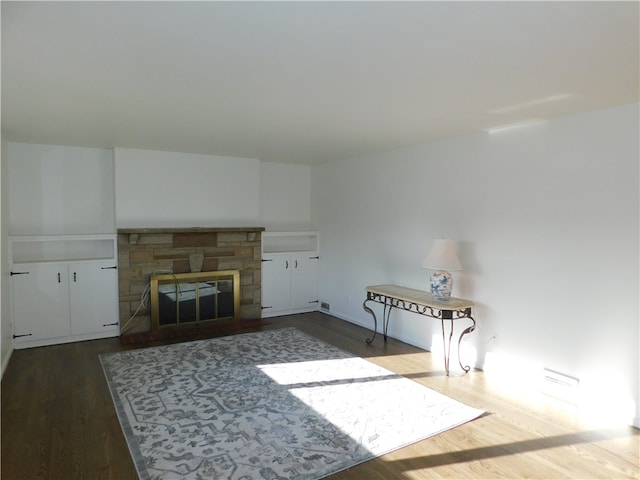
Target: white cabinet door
(289, 283)
(276, 283)
(93, 297)
(40, 302)
(304, 281)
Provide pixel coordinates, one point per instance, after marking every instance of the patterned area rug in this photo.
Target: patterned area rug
(272, 405)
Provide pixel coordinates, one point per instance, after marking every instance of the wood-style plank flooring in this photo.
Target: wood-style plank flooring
(58, 420)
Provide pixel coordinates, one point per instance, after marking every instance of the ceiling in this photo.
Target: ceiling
(305, 82)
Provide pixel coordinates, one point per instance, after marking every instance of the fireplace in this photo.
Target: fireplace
(144, 253)
(194, 299)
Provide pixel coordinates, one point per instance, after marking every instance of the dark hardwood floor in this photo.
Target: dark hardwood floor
(58, 420)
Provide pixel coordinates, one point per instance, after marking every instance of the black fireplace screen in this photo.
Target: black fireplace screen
(191, 298)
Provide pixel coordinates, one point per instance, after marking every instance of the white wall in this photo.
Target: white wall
(60, 190)
(6, 346)
(546, 218)
(285, 197)
(167, 189)
(151, 189)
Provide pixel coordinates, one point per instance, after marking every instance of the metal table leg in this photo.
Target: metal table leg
(386, 314)
(446, 344)
(375, 321)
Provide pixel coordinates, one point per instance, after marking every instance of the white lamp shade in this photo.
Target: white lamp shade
(442, 256)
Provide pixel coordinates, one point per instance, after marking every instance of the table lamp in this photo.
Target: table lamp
(442, 258)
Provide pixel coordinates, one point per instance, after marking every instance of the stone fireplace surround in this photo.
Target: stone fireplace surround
(143, 252)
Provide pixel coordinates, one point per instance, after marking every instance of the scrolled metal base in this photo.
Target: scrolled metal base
(385, 320)
(446, 344)
(426, 310)
(375, 322)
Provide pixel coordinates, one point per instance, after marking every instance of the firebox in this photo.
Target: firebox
(191, 299)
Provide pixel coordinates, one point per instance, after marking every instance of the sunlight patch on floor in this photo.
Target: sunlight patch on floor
(405, 364)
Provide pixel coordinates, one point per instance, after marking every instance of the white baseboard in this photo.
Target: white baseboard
(346, 318)
(5, 360)
(369, 325)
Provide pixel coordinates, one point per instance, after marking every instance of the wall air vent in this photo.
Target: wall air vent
(560, 386)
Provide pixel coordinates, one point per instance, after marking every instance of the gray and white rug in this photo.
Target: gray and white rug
(272, 405)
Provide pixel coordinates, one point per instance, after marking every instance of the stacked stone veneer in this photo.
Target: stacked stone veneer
(144, 252)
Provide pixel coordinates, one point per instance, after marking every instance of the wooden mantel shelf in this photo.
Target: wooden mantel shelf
(189, 230)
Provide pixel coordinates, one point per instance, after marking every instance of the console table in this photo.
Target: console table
(422, 303)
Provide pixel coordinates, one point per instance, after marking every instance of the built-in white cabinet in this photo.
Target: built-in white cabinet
(91, 311)
(63, 289)
(289, 272)
(40, 303)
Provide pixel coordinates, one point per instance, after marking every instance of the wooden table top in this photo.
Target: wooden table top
(421, 297)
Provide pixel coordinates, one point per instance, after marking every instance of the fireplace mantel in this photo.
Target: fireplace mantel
(135, 232)
(190, 229)
(143, 252)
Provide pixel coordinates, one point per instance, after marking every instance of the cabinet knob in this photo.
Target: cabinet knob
(58, 277)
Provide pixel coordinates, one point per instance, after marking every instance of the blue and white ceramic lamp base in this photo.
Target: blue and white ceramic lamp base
(441, 285)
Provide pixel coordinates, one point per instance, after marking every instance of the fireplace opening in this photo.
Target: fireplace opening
(194, 298)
